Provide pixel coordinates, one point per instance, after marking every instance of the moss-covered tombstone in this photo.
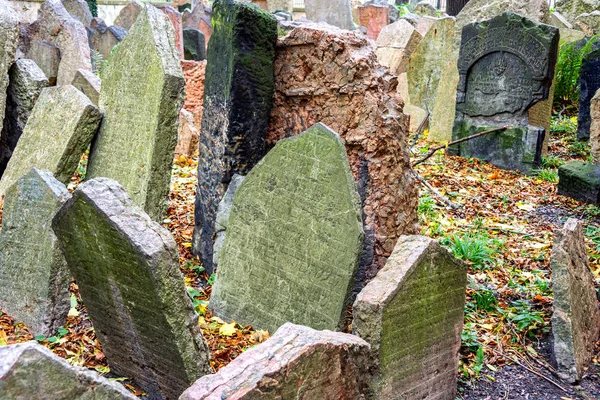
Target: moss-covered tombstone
(238, 97)
(294, 237)
(411, 314)
(142, 92)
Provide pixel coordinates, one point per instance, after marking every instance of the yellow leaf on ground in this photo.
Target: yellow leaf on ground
(3, 338)
(227, 329)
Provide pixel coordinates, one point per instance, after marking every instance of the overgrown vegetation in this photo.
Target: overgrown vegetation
(93, 5)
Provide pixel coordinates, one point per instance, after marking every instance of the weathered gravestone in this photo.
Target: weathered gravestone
(571, 9)
(296, 363)
(283, 5)
(88, 83)
(137, 139)
(589, 23)
(589, 83)
(175, 18)
(128, 15)
(47, 57)
(130, 282)
(576, 317)
(104, 38)
(294, 237)
(580, 180)
(59, 130)
(194, 45)
(223, 213)
(31, 371)
(395, 45)
(595, 127)
(334, 12)
(199, 18)
(9, 39)
(425, 9)
(374, 18)
(232, 136)
(80, 10)
(26, 83)
(411, 314)
(506, 65)
(34, 275)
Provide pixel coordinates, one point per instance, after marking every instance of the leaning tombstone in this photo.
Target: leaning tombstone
(411, 314)
(137, 139)
(374, 18)
(194, 46)
(129, 14)
(47, 57)
(88, 83)
(395, 45)
(80, 10)
(506, 66)
(34, 275)
(589, 83)
(335, 12)
(294, 237)
(295, 363)
(232, 136)
(576, 317)
(26, 83)
(58, 132)
(103, 39)
(134, 291)
(9, 39)
(31, 371)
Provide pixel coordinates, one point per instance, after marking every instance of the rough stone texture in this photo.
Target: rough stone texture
(199, 18)
(296, 363)
(506, 65)
(31, 371)
(424, 24)
(580, 180)
(80, 10)
(57, 27)
(137, 139)
(194, 45)
(334, 12)
(175, 18)
(576, 317)
(276, 5)
(374, 18)
(559, 21)
(89, 84)
(417, 115)
(411, 314)
(238, 98)
(294, 238)
(59, 130)
(130, 282)
(395, 45)
(589, 23)
(47, 57)
(194, 73)
(104, 38)
(223, 213)
(425, 9)
(9, 39)
(589, 83)
(595, 127)
(34, 275)
(571, 9)
(188, 135)
(355, 96)
(426, 65)
(443, 110)
(128, 15)
(26, 83)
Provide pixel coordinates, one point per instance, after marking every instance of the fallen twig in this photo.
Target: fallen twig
(499, 229)
(436, 192)
(432, 152)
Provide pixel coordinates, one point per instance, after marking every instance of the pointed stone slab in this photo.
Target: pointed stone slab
(127, 269)
(294, 237)
(34, 274)
(411, 314)
(59, 130)
(137, 139)
(238, 97)
(9, 39)
(576, 318)
(31, 371)
(296, 363)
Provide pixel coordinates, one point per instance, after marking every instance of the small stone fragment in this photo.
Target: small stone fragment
(88, 83)
(188, 135)
(580, 180)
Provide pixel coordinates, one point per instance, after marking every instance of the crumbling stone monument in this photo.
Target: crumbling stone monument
(26, 83)
(31, 371)
(589, 83)
(238, 97)
(59, 130)
(194, 73)
(374, 18)
(576, 317)
(355, 96)
(294, 237)
(395, 45)
(506, 65)
(129, 280)
(411, 314)
(296, 363)
(335, 12)
(137, 139)
(34, 275)
(9, 39)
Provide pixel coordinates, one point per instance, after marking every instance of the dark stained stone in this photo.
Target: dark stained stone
(238, 97)
(130, 282)
(34, 275)
(589, 83)
(104, 38)
(9, 38)
(580, 180)
(194, 46)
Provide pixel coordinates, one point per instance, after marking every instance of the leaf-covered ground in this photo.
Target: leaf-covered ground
(503, 229)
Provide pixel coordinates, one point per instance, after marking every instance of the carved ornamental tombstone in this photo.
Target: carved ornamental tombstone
(506, 66)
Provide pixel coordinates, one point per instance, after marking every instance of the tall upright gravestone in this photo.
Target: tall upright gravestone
(294, 237)
(141, 95)
(9, 39)
(506, 65)
(589, 83)
(34, 274)
(238, 97)
(129, 280)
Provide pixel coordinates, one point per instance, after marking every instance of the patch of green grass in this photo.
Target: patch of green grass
(548, 175)
(551, 162)
(484, 300)
(426, 207)
(476, 250)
